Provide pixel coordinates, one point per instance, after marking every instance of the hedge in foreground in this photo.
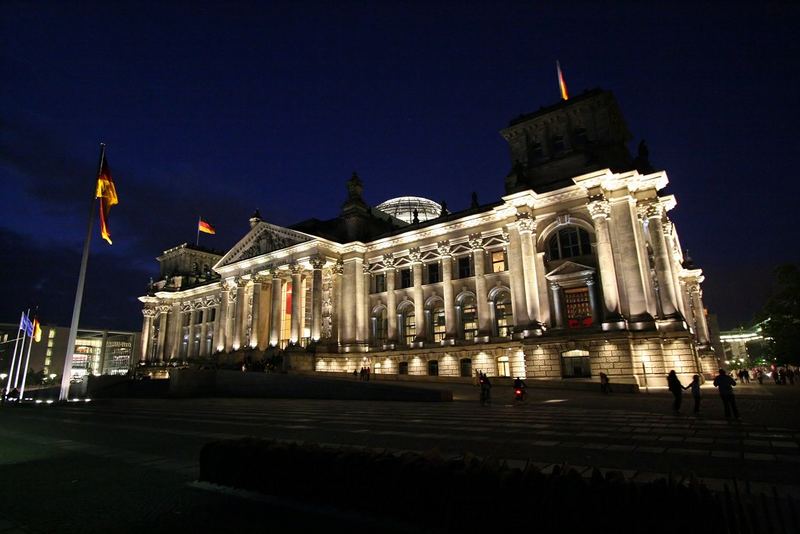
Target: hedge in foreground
(463, 493)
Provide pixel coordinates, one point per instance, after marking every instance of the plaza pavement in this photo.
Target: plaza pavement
(126, 465)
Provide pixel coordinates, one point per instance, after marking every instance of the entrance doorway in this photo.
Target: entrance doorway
(576, 364)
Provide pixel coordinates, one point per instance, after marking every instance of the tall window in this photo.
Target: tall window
(405, 278)
(469, 318)
(576, 364)
(286, 314)
(579, 311)
(503, 315)
(402, 368)
(437, 317)
(409, 325)
(380, 283)
(433, 367)
(465, 367)
(381, 327)
(503, 366)
(464, 267)
(498, 261)
(433, 273)
(568, 243)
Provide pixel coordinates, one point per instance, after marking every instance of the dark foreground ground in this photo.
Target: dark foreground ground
(128, 465)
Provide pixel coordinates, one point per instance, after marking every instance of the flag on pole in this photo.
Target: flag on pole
(107, 194)
(562, 85)
(37, 331)
(26, 325)
(205, 227)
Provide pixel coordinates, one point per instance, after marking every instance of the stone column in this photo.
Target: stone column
(275, 327)
(239, 315)
(264, 309)
(190, 341)
(391, 298)
(230, 310)
(451, 324)
(338, 288)
(558, 305)
(519, 306)
(176, 328)
(600, 210)
(625, 245)
(147, 333)
(316, 298)
(419, 298)
(162, 332)
(654, 211)
(593, 304)
(204, 329)
(544, 301)
(348, 318)
(698, 309)
(481, 294)
(362, 300)
(220, 320)
(255, 333)
(297, 304)
(527, 228)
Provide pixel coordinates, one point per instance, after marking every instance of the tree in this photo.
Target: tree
(782, 315)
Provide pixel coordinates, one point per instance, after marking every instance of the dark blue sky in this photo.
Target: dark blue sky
(219, 108)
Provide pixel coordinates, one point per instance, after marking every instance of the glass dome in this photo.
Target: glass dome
(403, 208)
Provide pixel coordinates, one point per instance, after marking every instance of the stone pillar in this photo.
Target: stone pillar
(419, 298)
(600, 211)
(175, 326)
(297, 304)
(275, 327)
(544, 301)
(391, 298)
(624, 219)
(255, 333)
(220, 320)
(316, 298)
(362, 287)
(204, 330)
(162, 332)
(481, 293)
(527, 228)
(239, 316)
(338, 288)
(451, 324)
(230, 310)
(593, 304)
(264, 312)
(519, 306)
(190, 332)
(147, 333)
(698, 309)
(653, 211)
(558, 305)
(348, 318)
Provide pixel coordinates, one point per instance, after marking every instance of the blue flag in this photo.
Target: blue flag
(27, 325)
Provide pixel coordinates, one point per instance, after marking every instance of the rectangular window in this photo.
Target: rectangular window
(402, 368)
(211, 315)
(579, 312)
(433, 273)
(464, 267)
(405, 278)
(498, 261)
(380, 283)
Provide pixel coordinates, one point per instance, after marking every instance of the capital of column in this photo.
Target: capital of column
(476, 241)
(338, 267)
(414, 255)
(317, 263)
(388, 261)
(526, 223)
(590, 281)
(296, 268)
(260, 278)
(241, 281)
(365, 268)
(149, 312)
(555, 286)
(599, 207)
(164, 308)
(649, 209)
(444, 248)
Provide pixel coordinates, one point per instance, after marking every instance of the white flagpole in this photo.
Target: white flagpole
(22, 349)
(14, 357)
(25, 369)
(197, 241)
(76, 310)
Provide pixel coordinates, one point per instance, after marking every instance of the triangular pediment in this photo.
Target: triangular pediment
(569, 269)
(262, 239)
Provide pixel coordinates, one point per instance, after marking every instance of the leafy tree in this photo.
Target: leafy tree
(782, 314)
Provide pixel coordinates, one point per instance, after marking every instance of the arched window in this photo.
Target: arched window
(468, 318)
(380, 326)
(437, 320)
(569, 242)
(576, 364)
(503, 316)
(408, 326)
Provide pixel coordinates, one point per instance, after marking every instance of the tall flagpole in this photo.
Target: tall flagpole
(14, 358)
(22, 348)
(76, 310)
(197, 241)
(25, 368)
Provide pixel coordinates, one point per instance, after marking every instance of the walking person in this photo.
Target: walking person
(676, 388)
(726, 384)
(605, 383)
(695, 387)
(486, 389)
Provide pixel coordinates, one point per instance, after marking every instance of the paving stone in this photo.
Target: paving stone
(760, 456)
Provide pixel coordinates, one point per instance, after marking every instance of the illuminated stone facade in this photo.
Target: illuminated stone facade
(577, 270)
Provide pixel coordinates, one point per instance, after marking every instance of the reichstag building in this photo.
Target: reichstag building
(577, 270)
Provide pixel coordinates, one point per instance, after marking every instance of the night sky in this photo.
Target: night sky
(216, 109)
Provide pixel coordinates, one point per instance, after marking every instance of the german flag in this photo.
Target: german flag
(562, 85)
(107, 194)
(37, 331)
(205, 227)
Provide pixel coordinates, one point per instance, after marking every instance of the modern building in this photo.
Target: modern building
(97, 352)
(745, 347)
(577, 269)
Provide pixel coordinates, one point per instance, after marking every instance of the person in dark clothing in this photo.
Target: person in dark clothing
(726, 384)
(695, 387)
(486, 389)
(605, 383)
(676, 388)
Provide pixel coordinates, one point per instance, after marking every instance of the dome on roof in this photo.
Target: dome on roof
(403, 208)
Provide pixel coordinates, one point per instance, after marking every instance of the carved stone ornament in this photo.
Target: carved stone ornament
(338, 268)
(414, 255)
(526, 223)
(444, 248)
(388, 260)
(599, 209)
(149, 312)
(296, 268)
(649, 209)
(476, 241)
(241, 281)
(563, 218)
(317, 262)
(365, 268)
(164, 308)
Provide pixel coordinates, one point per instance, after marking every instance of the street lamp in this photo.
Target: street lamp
(3, 377)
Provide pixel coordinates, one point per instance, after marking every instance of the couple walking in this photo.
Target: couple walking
(723, 382)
